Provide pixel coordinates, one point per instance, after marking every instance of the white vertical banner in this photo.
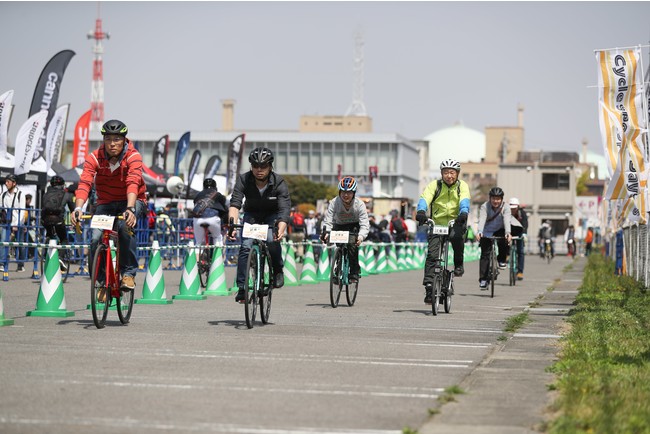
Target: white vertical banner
(55, 132)
(5, 114)
(622, 124)
(27, 140)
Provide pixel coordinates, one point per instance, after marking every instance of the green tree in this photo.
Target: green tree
(581, 185)
(302, 190)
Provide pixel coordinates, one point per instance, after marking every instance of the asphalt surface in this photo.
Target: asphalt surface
(377, 367)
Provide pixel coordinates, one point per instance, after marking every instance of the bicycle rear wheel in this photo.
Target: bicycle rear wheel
(435, 294)
(204, 266)
(100, 296)
(336, 278)
(266, 277)
(450, 291)
(252, 286)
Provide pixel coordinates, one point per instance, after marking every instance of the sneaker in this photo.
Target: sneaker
(353, 278)
(63, 266)
(428, 293)
(128, 283)
(502, 265)
(278, 280)
(520, 276)
(482, 284)
(459, 271)
(20, 269)
(241, 296)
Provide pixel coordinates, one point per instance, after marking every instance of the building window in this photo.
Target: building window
(555, 181)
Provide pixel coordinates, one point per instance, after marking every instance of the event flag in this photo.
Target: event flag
(55, 134)
(235, 152)
(5, 116)
(81, 139)
(212, 167)
(194, 166)
(46, 93)
(621, 118)
(26, 140)
(181, 149)
(159, 154)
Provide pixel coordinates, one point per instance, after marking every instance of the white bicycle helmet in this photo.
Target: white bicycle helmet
(450, 164)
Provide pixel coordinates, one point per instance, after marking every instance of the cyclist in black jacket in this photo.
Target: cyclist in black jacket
(267, 201)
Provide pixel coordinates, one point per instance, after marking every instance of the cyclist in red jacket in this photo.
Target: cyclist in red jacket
(116, 171)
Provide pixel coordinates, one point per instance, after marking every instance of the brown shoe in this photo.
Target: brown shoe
(128, 283)
(101, 295)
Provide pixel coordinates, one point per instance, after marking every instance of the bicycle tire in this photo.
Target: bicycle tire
(204, 266)
(435, 294)
(351, 293)
(252, 286)
(336, 278)
(446, 301)
(493, 270)
(513, 267)
(99, 309)
(265, 301)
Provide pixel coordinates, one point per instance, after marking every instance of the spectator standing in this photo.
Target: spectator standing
(12, 201)
(297, 231)
(398, 228)
(310, 224)
(589, 238)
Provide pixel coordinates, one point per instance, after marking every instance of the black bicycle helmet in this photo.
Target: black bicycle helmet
(115, 127)
(57, 180)
(261, 156)
(496, 192)
(209, 183)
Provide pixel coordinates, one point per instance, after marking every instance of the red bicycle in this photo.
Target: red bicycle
(105, 287)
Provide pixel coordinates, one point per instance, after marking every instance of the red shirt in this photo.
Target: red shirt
(112, 183)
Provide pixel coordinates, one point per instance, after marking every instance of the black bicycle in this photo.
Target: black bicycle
(512, 262)
(259, 277)
(443, 277)
(340, 268)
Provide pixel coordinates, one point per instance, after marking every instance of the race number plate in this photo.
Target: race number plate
(104, 222)
(257, 232)
(339, 237)
(441, 230)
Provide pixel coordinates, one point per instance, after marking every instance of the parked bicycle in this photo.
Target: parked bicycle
(105, 288)
(443, 279)
(259, 277)
(340, 268)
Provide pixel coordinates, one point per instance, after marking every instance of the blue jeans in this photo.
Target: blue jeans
(274, 249)
(128, 243)
(5, 236)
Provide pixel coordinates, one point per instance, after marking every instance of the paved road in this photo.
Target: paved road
(193, 366)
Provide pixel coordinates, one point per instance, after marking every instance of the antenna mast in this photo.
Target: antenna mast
(357, 108)
(97, 88)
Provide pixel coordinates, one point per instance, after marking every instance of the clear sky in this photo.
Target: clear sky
(428, 65)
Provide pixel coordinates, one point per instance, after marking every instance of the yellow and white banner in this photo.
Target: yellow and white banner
(622, 127)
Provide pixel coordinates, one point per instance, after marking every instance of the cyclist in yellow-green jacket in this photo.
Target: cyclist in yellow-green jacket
(445, 199)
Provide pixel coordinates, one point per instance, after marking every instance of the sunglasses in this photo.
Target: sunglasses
(260, 166)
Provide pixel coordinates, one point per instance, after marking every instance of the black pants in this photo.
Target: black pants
(486, 251)
(457, 240)
(59, 230)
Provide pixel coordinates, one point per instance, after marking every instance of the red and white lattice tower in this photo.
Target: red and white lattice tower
(97, 91)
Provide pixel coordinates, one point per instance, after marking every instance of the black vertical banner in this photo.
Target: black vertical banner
(194, 165)
(235, 152)
(212, 167)
(159, 154)
(46, 93)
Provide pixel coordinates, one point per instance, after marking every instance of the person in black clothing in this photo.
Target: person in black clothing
(267, 202)
(209, 208)
(55, 201)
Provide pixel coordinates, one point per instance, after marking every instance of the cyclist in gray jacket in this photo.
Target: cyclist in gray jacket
(493, 221)
(348, 213)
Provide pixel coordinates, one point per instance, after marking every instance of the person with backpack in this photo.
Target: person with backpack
(445, 199)
(209, 208)
(55, 201)
(297, 231)
(12, 201)
(398, 228)
(494, 220)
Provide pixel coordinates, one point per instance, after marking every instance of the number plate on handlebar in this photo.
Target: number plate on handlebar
(258, 232)
(440, 230)
(339, 237)
(104, 222)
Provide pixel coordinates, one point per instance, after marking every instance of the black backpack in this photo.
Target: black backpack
(398, 225)
(53, 201)
(204, 203)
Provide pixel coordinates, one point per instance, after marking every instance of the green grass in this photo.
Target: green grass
(449, 394)
(516, 321)
(603, 375)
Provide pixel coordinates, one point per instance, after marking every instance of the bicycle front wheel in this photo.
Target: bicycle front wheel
(100, 297)
(435, 294)
(351, 293)
(493, 271)
(336, 278)
(267, 281)
(125, 305)
(252, 286)
(513, 268)
(450, 291)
